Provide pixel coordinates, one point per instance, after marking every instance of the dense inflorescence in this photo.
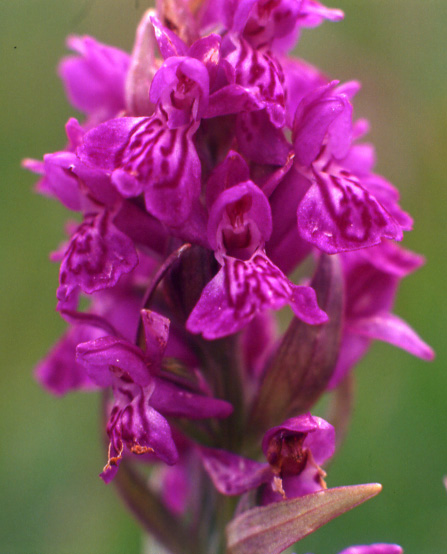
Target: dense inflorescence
(213, 171)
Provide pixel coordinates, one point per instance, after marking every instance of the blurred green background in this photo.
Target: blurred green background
(52, 500)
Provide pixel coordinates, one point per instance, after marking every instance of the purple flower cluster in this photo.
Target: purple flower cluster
(209, 167)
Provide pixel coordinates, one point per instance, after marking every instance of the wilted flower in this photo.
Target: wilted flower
(210, 165)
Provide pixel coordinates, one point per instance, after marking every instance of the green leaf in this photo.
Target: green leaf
(271, 529)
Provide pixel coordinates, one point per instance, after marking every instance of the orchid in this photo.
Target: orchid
(209, 166)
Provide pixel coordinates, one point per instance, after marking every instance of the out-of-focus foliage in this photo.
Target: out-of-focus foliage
(52, 499)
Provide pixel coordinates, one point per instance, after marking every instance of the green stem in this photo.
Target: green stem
(152, 513)
(222, 363)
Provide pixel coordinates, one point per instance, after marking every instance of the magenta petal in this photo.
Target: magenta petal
(378, 548)
(320, 435)
(322, 112)
(337, 214)
(147, 156)
(232, 474)
(300, 79)
(177, 487)
(181, 103)
(307, 482)
(59, 371)
(302, 424)
(260, 74)
(171, 400)
(35, 166)
(392, 329)
(168, 42)
(135, 427)
(95, 81)
(245, 203)
(305, 307)
(388, 257)
(207, 50)
(388, 196)
(156, 332)
(272, 20)
(259, 140)
(96, 257)
(144, 427)
(240, 291)
(352, 349)
(103, 144)
(104, 355)
(59, 181)
(360, 159)
(232, 99)
(237, 13)
(141, 227)
(313, 13)
(65, 178)
(230, 172)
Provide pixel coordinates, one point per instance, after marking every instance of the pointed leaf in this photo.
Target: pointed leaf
(271, 529)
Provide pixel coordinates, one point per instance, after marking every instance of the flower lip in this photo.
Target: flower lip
(240, 221)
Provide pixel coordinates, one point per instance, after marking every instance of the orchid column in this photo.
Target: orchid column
(209, 167)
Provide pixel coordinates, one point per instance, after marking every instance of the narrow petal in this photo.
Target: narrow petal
(59, 371)
(232, 474)
(392, 329)
(168, 42)
(378, 548)
(172, 400)
(313, 13)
